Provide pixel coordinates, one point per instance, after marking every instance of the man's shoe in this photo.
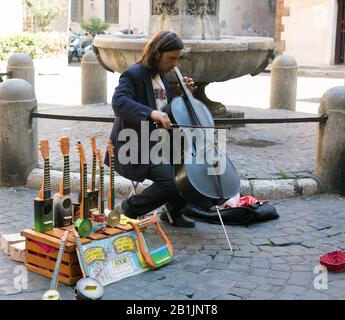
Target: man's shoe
(178, 220)
(123, 208)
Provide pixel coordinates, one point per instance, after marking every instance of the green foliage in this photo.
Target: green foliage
(94, 25)
(36, 45)
(283, 174)
(45, 11)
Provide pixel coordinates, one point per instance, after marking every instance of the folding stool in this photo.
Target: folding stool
(163, 208)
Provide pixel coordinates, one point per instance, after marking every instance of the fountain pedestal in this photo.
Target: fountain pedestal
(217, 109)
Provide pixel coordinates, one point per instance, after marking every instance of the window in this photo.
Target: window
(111, 13)
(77, 9)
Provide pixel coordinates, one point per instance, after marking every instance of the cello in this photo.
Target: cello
(201, 183)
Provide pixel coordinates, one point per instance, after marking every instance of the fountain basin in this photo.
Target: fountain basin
(204, 60)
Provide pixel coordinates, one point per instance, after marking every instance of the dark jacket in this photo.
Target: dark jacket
(133, 101)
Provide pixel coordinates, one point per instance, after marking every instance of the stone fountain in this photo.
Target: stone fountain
(207, 56)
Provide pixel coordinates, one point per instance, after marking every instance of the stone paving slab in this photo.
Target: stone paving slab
(203, 267)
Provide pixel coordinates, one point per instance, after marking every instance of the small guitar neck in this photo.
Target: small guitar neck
(54, 283)
(101, 181)
(111, 192)
(83, 206)
(93, 172)
(101, 201)
(45, 191)
(81, 256)
(65, 188)
(93, 168)
(46, 182)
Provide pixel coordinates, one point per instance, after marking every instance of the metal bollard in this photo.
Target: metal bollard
(22, 67)
(93, 80)
(330, 156)
(18, 132)
(284, 83)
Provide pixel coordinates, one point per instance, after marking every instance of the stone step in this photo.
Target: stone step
(261, 189)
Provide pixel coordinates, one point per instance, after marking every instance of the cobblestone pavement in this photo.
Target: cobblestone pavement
(272, 260)
(257, 151)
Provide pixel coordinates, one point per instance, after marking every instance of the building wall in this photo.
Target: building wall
(247, 17)
(133, 13)
(237, 17)
(11, 17)
(60, 23)
(139, 16)
(304, 29)
(93, 8)
(310, 31)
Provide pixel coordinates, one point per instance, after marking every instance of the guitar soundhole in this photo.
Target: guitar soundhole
(67, 203)
(48, 208)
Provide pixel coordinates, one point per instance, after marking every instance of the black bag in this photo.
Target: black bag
(234, 216)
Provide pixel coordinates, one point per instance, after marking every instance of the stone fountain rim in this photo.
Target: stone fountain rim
(233, 43)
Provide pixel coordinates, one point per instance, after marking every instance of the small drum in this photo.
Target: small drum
(88, 289)
(51, 295)
(84, 227)
(112, 217)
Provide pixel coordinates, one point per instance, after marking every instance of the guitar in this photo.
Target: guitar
(155, 247)
(63, 208)
(43, 204)
(83, 224)
(86, 288)
(92, 193)
(112, 216)
(98, 217)
(52, 293)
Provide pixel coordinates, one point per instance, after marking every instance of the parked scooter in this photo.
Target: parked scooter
(78, 46)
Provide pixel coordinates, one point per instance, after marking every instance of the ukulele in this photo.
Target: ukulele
(98, 217)
(92, 193)
(112, 216)
(52, 293)
(43, 204)
(63, 208)
(86, 288)
(83, 225)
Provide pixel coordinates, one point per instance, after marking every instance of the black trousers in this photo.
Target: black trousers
(161, 191)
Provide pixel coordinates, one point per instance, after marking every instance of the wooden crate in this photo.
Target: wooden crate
(42, 262)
